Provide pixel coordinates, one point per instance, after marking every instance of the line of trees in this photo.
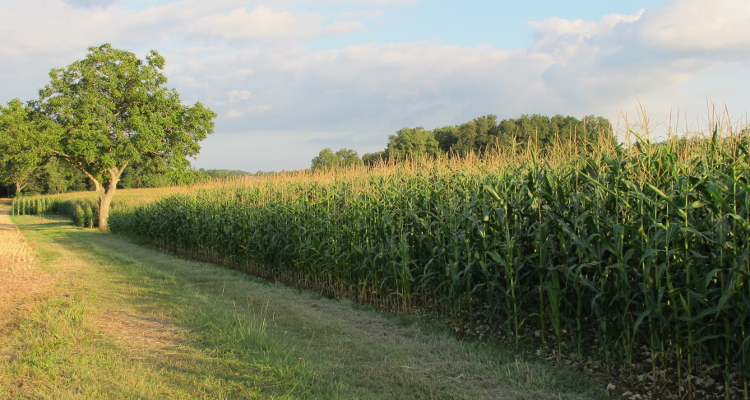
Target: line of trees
(485, 134)
(207, 174)
(478, 137)
(101, 115)
(51, 177)
(56, 176)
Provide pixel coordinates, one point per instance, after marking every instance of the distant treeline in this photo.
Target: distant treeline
(55, 176)
(229, 173)
(478, 136)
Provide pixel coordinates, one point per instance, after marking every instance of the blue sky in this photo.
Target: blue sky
(473, 22)
(290, 77)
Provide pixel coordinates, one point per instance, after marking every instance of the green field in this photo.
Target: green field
(634, 256)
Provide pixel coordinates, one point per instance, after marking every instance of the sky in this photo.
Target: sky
(288, 78)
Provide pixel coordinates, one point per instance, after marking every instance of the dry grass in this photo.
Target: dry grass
(20, 279)
(15, 254)
(136, 333)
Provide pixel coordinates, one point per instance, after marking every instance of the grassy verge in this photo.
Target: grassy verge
(123, 321)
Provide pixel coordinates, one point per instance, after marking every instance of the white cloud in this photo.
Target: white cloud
(340, 28)
(681, 28)
(378, 90)
(92, 3)
(702, 26)
(237, 95)
(568, 40)
(619, 59)
(58, 28)
(250, 110)
(261, 22)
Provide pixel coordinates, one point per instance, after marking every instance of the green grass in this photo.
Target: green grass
(124, 321)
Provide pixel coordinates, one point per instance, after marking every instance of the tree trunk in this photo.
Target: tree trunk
(106, 193)
(105, 199)
(19, 187)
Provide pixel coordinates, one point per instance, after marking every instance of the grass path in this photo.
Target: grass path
(101, 318)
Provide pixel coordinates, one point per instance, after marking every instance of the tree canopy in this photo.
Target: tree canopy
(114, 110)
(327, 159)
(25, 143)
(412, 143)
(486, 133)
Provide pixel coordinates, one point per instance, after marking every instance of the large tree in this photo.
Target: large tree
(113, 110)
(25, 143)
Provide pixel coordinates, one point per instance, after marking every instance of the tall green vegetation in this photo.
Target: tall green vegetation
(629, 254)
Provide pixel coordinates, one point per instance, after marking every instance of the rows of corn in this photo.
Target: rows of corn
(633, 254)
(82, 211)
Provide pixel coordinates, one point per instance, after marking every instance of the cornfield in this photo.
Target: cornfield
(632, 254)
(83, 212)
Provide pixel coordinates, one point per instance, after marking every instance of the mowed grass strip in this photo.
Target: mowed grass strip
(123, 321)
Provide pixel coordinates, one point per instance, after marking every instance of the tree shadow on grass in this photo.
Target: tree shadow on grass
(45, 223)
